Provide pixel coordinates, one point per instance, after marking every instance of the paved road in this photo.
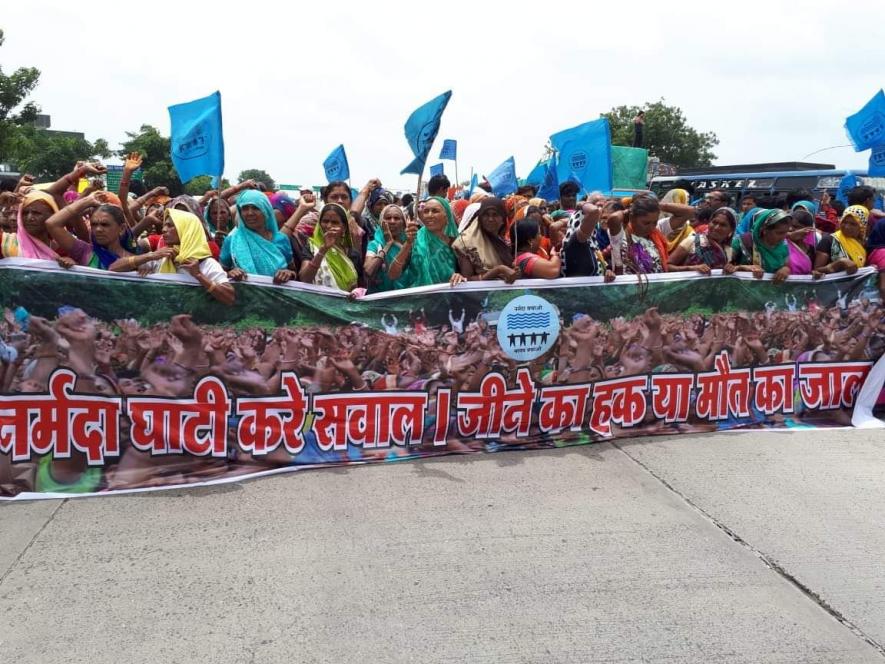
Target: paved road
(727, 548)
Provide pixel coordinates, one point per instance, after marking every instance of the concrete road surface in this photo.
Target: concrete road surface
(751, 547)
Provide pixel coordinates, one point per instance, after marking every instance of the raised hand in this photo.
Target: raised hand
(133, 162)
(411, 232)
(94, 168)
(307, 202)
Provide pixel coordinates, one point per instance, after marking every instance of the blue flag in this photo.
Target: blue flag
(421, 129)
(449, 149)
(503, 178)
(437, 169)
(877, 161)
(866, 128)
(336, 165)
(846, 184)
(536, 177)
(584, 155)
(196, 138)
(549, 189)
(474, 182)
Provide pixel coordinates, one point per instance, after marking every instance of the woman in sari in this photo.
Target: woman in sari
(802, 240)
(389, 239)
(707, 250)
(844, 249)
(110, 237)
(256, 246)
(527, 240)
(876, 252)
(483, 253)
(185, 251)
(431, 255)
(327, 256)
(32, 238)
(638, 247)
(216, 214)
(764, 248)
(187, 203)
(674, 219)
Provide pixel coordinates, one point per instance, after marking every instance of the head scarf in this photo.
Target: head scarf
(559, 214)
(377, 195)
(28, 245)
(251, 252)
(771, 259)
(469, 213)
(282, 202)
(745, 223)
(677, 196)
(478, 194)
(854, 248)
(207, 214)
(809, 206)
(337, 260)
(436, 260)
(307, 223)
(409, 272)
(193, 207)
(192, 244)
(491, 249)
(730, 213)
(458, 208)
(187, 201)
(537, 202)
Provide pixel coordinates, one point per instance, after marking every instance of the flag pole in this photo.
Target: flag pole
(457, 181)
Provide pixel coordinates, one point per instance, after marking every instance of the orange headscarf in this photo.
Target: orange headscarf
(513, 205)
(458, 208)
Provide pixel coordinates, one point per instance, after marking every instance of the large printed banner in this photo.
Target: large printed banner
(114, 382)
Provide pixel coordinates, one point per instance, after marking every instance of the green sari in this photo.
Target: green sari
(436, 262)
(382, 282)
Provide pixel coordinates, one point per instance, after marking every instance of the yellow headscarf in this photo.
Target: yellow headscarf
(191, 237)
(854, 248)
(679, 197)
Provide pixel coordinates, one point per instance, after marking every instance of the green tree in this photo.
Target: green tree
(14, 88)
(48, 155)
(201, 184)
(156, 152)
(667, 135)
(259, 176)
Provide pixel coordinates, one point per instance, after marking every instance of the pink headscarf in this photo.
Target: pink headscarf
(28, 245)
(308, 223)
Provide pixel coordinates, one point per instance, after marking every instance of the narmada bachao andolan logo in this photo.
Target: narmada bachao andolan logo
(195, 143)
(528, 327)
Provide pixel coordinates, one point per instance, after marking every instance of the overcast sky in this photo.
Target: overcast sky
(774, 80)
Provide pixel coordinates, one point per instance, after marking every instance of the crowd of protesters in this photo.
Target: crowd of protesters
(377, 241)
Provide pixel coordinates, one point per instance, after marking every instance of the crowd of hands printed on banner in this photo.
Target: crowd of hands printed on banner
(379, 242)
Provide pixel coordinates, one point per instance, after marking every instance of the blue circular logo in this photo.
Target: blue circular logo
(527, 327)
(578, 160)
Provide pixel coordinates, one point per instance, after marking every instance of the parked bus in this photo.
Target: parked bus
(762, 183)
